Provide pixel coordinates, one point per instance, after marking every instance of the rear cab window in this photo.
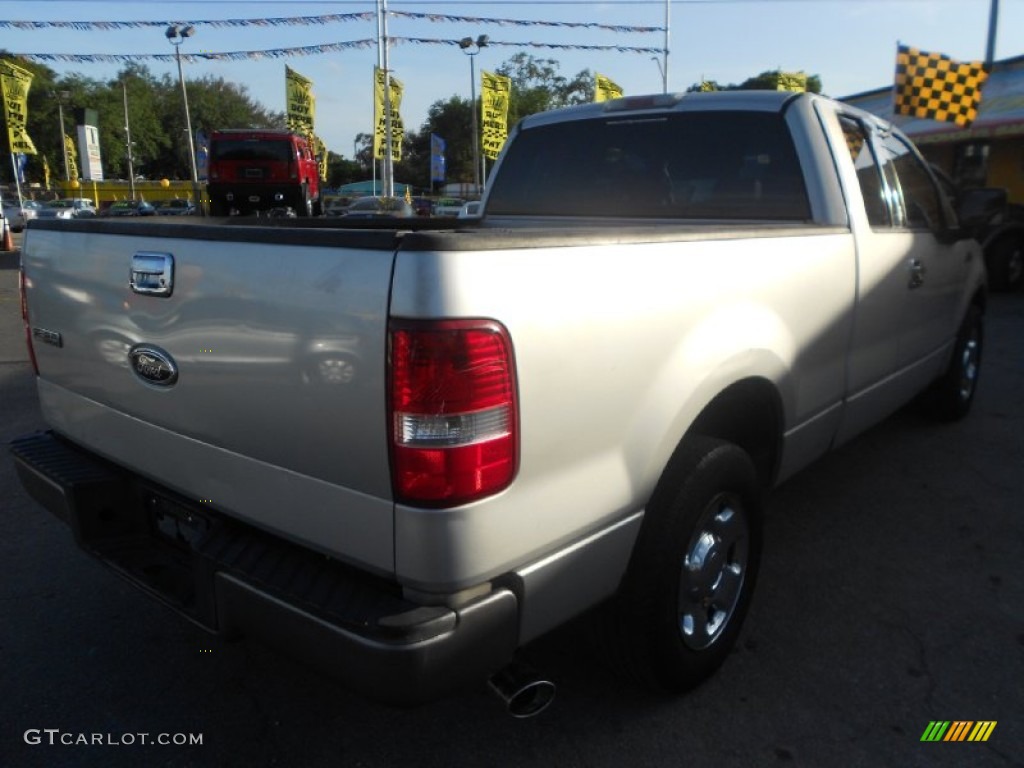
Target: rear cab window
(252, 150)
(690, 165)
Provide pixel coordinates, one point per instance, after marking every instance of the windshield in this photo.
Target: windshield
(720, 165)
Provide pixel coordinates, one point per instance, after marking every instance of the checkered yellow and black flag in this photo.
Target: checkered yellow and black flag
(934, 86)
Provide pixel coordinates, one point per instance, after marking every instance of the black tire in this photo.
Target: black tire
(1005, 262)
(304, 208)
(950, 398)
(694, 567)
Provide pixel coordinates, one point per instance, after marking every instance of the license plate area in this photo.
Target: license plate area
(181, 524)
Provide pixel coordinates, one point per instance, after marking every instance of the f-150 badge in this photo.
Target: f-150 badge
(153, 365)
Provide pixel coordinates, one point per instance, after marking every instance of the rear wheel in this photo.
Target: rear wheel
(690, 582)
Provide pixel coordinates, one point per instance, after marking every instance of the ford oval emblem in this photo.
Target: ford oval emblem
(153, 365)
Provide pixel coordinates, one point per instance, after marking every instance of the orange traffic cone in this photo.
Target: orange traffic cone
(8, 240)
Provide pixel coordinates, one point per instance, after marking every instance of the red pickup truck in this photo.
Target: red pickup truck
(261, 170)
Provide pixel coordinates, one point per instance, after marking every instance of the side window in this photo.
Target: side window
(868, 174)
(922, 206)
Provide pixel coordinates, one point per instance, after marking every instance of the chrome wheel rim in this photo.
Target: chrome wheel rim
(713, 572)
(969, 361)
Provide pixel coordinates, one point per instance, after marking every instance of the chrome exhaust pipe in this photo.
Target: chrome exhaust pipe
(523, 690)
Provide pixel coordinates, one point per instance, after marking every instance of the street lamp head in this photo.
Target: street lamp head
(468, 42)
(177, 34)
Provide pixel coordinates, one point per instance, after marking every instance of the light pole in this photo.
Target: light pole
(664, 75)
(668, 24)
(176, 36)
(128, 140)
(61, 95)
(471, 48)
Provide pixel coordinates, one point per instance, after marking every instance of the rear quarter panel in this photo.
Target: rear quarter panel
(618, 347)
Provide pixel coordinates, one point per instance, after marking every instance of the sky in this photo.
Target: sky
(849, 44)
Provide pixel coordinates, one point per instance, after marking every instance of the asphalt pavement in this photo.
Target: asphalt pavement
(891, 596)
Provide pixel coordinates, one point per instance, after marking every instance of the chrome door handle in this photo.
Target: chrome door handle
(152, 274)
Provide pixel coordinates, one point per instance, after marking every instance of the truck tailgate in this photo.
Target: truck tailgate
(274, 410)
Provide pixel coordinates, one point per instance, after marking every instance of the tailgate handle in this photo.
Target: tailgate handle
(152, 274)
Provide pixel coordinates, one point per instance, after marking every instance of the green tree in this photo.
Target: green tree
(214, 103)
(452, 120)
(537, 86)
(766, 81)
(156, 118)
(150, 141)
(341, 171)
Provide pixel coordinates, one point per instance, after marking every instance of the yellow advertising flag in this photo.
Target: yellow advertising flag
(379, 117)
(69, 146)
(301, 102)
(321, 156)
(605, 89)
(15, 82)
(494, 95)
(936, 87)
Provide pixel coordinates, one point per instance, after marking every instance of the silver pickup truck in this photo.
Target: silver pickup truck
(401, 452)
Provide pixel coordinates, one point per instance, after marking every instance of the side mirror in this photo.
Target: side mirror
(977, 207)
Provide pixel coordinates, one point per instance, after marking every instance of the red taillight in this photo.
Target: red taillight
(22, 289)
(454, 417)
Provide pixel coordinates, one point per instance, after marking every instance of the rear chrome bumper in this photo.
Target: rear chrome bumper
(231, 578)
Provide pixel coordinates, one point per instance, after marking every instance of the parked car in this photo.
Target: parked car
(253, 170)
(130, 208)
(11, 215)
(423, 206)
(379, 208)
(175, 207)
(336, 206)
(997, 224)
(67, 208)
(448, 206)
(18, 216)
